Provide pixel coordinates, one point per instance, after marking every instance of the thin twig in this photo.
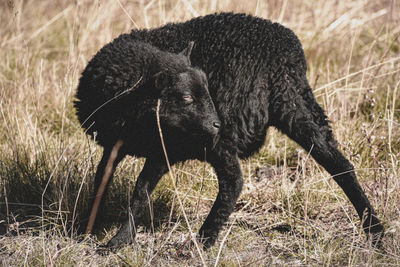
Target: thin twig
(107, 174)
(202, 183)
(172, 176)
(112, 99)
(77, 197)
(391, 60)
(222, 243)
(7, 209)
(127, 14)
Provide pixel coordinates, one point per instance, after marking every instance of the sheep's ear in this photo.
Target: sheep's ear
(162, 80)
(187, 51)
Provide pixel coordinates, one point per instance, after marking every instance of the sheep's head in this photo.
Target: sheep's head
(187, 111)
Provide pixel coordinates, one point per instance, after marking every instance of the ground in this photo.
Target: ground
(290, 211)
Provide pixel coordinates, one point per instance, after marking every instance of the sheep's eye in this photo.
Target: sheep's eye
(187, 98)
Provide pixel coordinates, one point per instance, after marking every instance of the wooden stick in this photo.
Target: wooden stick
(107, 174)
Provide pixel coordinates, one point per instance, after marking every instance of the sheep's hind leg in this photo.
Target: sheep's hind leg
(307, 126)
(151, 173)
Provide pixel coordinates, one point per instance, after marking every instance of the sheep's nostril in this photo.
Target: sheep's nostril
(216, 125)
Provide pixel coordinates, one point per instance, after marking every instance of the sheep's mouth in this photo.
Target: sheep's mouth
(209, 141)
(191, 138)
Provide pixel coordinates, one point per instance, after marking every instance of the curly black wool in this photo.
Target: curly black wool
(256, 72)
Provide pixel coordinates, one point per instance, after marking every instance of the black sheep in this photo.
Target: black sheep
(256, 73)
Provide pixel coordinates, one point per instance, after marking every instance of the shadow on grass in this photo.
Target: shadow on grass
(42, 193)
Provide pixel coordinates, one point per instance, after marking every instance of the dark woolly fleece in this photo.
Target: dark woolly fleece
(256, 73)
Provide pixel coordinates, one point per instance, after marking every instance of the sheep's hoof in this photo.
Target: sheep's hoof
(103, 250)
(125, 236)
(376, 239)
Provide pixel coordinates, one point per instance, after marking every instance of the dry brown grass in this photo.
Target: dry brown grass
(290, 211)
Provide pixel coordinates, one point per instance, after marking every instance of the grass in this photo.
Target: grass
(290, 211)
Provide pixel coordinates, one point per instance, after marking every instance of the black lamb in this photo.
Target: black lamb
(256, 72)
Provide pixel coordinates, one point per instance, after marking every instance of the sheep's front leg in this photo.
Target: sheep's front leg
(230, 183)
(151, 173)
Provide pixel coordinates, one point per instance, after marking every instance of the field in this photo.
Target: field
(290, 212)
